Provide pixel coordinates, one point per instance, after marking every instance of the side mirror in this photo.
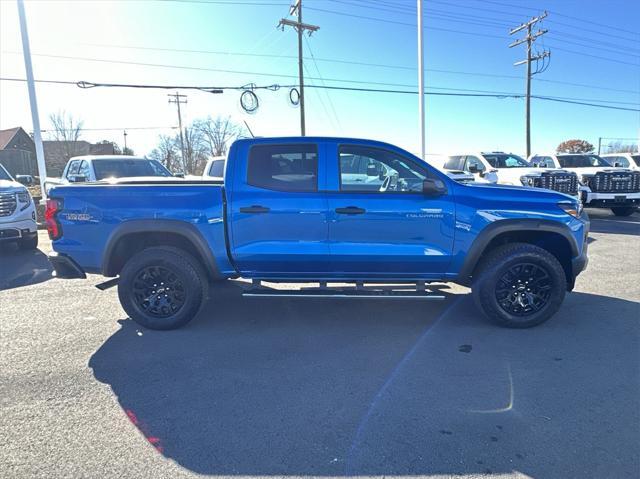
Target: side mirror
(372, 170)
(431, 187)
(25, 180)
(78, 179)
(617, 165)
(474, 169)
(179, 175)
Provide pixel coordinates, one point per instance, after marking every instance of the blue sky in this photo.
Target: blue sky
(476, 48)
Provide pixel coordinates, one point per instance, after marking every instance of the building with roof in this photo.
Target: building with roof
(18, 152)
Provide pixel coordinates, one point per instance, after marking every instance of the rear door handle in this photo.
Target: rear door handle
(254, 209)
(350, 210)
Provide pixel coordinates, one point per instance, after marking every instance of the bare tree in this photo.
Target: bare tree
(218, 133)
(168, 152)
(619, 147)
(67, 130)
(195, 150)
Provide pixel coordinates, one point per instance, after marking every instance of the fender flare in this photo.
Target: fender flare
(499, 227)
(181, 228)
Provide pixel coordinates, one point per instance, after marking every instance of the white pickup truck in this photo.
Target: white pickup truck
(623, 160)
(80, 169)
(17, 213)
(601, 185)
(510, 169)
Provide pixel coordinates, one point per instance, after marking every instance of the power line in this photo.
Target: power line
(354, 89)
(353, 62)
(611, 27)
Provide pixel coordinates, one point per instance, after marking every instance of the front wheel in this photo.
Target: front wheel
(519, 285)
(162, 288)
(623, 210)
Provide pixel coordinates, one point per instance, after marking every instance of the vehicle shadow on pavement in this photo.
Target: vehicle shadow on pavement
(603, 222)
(22, 268)
(319, 387)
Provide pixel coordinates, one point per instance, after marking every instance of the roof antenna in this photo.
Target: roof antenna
(250, 132)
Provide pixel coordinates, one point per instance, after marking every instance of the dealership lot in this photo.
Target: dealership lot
(302, 387)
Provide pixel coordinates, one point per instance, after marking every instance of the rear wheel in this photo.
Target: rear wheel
(162, 288)
(29, 243)
(623, 210)
(519, 285)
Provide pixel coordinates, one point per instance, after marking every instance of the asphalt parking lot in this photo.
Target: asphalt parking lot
(299, 387)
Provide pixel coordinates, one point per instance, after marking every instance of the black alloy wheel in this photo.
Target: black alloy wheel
(524, 289)
(159, 291)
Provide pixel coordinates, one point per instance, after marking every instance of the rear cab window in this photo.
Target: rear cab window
(292, 168)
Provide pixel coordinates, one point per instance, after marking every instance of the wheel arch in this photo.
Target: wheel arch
(549, 235)
(133, 236)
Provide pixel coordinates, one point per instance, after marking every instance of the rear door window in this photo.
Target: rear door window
(74, 166)
(217, 168)
(284, 167)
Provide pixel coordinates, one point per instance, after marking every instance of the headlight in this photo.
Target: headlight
(574, 208)
(585, 179)
(25, 198)
(526, 181)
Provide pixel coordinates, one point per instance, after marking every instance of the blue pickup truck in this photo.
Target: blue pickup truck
(320, 210)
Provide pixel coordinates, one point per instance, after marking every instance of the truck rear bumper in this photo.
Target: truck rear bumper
(65, 267)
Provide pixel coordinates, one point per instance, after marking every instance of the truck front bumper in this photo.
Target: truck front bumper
(65, 267)
(609, 200)
(16, 230)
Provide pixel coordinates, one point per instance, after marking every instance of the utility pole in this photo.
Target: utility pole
(421, 80)
(529, 39)
(35, 118)
(179, 99)
(124, 151)
(296, 9)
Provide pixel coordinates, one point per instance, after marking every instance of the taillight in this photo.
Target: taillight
(50, 218)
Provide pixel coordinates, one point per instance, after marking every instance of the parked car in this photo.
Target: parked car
(292, 210)
(601, 185)
(81, 169)
(215, 168)
(623, 160)
(17, 213)
(510, 169)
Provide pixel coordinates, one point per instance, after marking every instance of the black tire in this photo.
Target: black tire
(623, 210)
(505, 271)
(29, 243)
(162, 288)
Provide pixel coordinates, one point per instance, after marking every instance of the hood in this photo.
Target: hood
(8, 186)
(540, 193)
(512, 175)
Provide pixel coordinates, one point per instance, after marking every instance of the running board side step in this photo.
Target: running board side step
(340, 294)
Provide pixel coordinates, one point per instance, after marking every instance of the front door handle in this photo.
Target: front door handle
(350, 210)
(254, 209)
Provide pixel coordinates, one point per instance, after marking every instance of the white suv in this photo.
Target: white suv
(624, 160)
(17, 213)
(601, 185)
(510, 169)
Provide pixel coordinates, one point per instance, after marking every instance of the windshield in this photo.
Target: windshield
(4, 175)
(125, 168)
(581, 161)
(503, 160)
(636, 158)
